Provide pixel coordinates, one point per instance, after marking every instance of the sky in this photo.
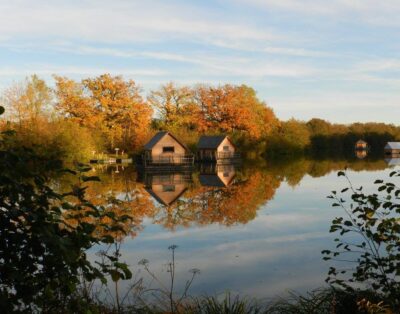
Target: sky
(338, 60)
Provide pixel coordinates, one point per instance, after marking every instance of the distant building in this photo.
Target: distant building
(361, 145)
(214, 148)
(165, 149)
(392, 148)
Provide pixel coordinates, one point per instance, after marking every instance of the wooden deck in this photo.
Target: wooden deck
(221, 158)
(111, 161)
(168, 162)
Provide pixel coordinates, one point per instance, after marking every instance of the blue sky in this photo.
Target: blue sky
(338, 59)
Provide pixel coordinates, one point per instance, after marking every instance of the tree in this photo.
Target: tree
(110, 104)
(28, 103)
(175, 106)
(232, 108)
(42, 256)
(73, 104)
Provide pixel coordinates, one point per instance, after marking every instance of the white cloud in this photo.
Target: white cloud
(47, 70)
(120, 22)
(369, 11)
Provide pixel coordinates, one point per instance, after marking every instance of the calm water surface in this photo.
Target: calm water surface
(256, 230)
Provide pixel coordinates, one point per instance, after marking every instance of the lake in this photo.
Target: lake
(257, 229)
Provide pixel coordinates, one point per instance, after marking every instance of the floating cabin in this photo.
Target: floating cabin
(361, 145)
(165, 150)
(392, 148)
(216, 149)
(167, 188)
(217, 175)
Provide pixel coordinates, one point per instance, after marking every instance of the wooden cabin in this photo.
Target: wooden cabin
(361, 145)
(215, 148)
(217, 175)
(392, 148)
(167, 188)
(165, 149)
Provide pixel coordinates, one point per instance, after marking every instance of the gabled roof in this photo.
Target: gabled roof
(392, 145)
(211, 142)
(156, 138)
(162, 201)
(211, 180)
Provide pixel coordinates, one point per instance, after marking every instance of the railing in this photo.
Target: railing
(228, 155)
(169, 179)
(172, 160)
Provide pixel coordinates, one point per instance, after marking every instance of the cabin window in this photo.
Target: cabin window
(168, 188)
(226, 148)
(168, 149)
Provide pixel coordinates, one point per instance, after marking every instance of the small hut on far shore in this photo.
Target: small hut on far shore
(361, 145)
(392, 148)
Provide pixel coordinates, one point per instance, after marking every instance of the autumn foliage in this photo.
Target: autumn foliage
(77, 119)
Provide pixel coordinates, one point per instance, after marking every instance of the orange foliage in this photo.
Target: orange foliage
(125, 204)
(109, 104)
(232, 108)
(235, 204)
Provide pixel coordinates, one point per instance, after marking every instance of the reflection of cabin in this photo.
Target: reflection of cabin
(216, 148)
(167, 188)
(361, 153)
(392, 148)
(217, 175)
(361, 145)
(165, 149)
(393, 161)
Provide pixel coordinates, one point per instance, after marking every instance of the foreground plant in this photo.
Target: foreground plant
(42, 256)
(369, 239)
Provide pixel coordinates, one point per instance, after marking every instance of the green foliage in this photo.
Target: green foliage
(227, 305)
(291, 137)
(42, 256)
(375, 251)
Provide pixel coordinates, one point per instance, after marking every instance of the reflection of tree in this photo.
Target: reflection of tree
(237, 203)
(125, 202)
(124, 197)
(293, 171)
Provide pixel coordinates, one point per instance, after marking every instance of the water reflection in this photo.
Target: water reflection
(166, 188)
(213, 194)
(216, 175)
(393, 161)
(257, 229)
(361, 154)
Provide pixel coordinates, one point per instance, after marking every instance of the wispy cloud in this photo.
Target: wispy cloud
(303, 57)
(369, 11)
(47, 70)
(120, 22)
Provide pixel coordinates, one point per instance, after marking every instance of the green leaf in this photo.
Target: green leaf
(115, 276)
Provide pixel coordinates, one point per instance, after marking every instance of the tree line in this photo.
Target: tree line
(75, 119)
